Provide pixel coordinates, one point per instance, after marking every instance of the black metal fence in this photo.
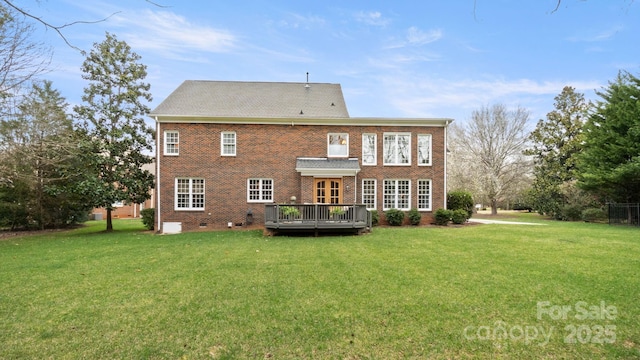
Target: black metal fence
(624, 214)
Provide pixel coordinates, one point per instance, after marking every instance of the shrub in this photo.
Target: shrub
(289, 212)
(442, 216)
(594, 214)
(375, 218)
(414, 216)
(459, 216)
(148, 217)
(571, 212)
(394, 217)
(460, 200)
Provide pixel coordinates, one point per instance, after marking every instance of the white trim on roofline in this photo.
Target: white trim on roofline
(293, 121)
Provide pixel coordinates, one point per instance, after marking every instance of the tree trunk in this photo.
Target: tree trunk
(494, 207)
(109, 223)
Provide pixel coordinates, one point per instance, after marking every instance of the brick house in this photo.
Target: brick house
(226, 150)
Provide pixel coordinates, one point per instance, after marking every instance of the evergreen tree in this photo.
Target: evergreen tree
(39, 148)
(113, 114)
(610, 163)
(556, 143)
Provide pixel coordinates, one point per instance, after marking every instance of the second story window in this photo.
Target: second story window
(228, 143)
(171, 143)
(369, 149)
(424, 149)
(338, 145)
(397, 149)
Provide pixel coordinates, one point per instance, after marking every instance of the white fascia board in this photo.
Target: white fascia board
(293, 121)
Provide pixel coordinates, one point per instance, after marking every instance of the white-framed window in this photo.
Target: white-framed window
(189, 194)
(337, 145)
(259, 190)
(171, 142)
(369, 193)
(397, 149)
(228, 143)
(424, 149)
(369, 149)
(424, 195)
(397, 194)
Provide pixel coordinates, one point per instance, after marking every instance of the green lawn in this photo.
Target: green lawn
(482, 291)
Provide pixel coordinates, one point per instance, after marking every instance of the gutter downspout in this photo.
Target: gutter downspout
(446, 141)
(158, 148)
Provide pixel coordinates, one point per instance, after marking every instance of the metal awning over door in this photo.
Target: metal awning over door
(327, 167)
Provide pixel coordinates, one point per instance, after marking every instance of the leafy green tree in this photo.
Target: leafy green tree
(39, 148)
(556, 143)
(47, 131)
(610, 162)
(14, 197)
(113, 114)
(460, 199)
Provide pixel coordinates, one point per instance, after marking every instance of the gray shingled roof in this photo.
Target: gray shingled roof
(325, 163)
(254, 100)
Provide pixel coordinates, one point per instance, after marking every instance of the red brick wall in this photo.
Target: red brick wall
(270, 151)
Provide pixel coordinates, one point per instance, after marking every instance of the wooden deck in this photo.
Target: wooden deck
(317, 218)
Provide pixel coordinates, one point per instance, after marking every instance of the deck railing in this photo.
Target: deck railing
(316, 216)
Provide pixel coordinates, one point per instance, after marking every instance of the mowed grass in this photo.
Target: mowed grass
(428, 292)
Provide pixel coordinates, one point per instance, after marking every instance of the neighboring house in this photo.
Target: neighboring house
(122, 210)
(227, 149)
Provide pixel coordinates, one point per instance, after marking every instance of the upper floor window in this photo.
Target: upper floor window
(260, 190)
(189, 194)
(338, 145)
(397, 149)
(424, 149)
(228, 143)
(171, 142)
(369, 149)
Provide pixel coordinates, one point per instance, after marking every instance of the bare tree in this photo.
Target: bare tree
(488, 153)
(21, 59)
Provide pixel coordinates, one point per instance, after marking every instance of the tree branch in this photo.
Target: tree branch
(158, 5)
(557, 6)
(57, 29)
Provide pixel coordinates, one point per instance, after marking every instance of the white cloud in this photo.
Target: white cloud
(416, 36)
(166, 32)
(399, 61)
(374, 18)
(296, 21)
(420, 96)
(600, 36)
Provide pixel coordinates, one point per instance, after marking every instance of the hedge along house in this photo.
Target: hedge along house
(228, 150)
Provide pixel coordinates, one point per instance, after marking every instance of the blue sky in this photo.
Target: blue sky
(393, 58)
